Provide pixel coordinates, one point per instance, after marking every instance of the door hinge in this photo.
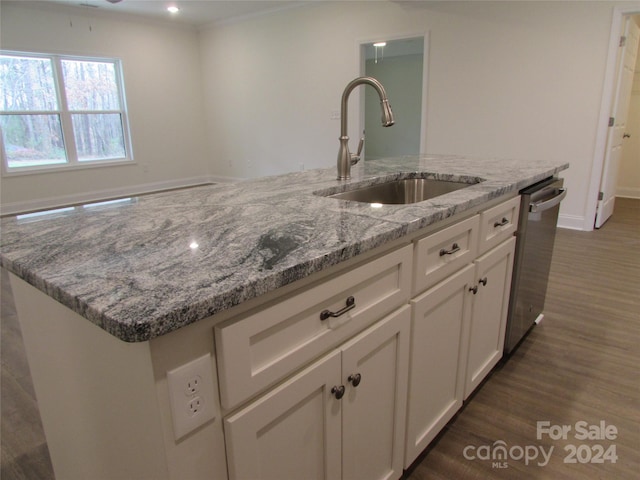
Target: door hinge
(623, 41)
(612, 121)
(600, 195)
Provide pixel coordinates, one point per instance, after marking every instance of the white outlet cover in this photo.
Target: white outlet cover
(184, 421)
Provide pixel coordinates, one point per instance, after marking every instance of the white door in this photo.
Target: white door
(609, 178)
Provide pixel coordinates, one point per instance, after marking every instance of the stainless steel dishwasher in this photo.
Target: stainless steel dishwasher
(535, 236)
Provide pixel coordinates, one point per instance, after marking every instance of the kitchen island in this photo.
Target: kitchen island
(112, 296)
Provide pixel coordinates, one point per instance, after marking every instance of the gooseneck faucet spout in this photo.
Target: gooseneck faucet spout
(345, 158)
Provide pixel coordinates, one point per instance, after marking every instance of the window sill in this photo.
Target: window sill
(59, 168)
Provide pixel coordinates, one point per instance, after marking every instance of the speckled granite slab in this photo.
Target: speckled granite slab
(146, 266)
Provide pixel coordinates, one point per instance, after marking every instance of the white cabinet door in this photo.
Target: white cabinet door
(301, 430)
(294, 431)
(373, 415)
(439, 330)
(489, 314)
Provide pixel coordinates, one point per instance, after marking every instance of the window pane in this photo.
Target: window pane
(27, 84)
(32, 140)
(90, 85)
(98, 136)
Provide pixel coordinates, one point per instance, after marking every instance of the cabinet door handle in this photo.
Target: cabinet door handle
(454, 248)
(351, 304)
(338, 391)
(355, 379)
(501, 223)
(483, 281)
(474, 289)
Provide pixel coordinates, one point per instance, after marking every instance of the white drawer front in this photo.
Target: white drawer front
(439, 255)
(498, 224)
(262, 348)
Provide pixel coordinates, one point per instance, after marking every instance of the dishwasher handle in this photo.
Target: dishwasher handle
(537, 207)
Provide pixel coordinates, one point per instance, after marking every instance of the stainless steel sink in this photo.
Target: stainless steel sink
(398, 192)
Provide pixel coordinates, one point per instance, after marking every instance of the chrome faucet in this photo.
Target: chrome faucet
(345, 158)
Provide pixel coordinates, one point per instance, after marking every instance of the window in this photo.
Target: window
(61, 112)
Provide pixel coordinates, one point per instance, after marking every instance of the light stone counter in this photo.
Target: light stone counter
(133, 268)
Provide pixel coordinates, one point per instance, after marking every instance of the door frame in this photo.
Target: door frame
(611, 74)
(361, 42)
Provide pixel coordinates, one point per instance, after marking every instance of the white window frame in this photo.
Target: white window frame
(72, 163)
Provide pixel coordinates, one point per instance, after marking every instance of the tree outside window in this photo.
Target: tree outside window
(59, 111)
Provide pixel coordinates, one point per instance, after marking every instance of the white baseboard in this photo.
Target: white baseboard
(577, 222)
(223, 179)
(628, 192)
(573, 222)
(13, 208)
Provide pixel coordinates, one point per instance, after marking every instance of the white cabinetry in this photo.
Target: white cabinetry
(374, 412)
(258, 350)
(359, 392)
(443, 253)
(489, 318)
(440, 325)
(498, 224)
(341, 417)
(491, 290)
(295, 428)
(458, 324)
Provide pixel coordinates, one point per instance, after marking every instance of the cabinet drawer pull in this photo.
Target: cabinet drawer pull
(474, 289)
(483, 281)
(355, 379)
(454, 248)
(338, 391)
(351, 304)
(501, 223)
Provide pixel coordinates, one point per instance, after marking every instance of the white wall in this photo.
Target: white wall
(163, 82)
(629, 173)
(506, 79)
(271, 84)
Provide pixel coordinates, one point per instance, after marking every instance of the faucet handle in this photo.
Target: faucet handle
(355, 157)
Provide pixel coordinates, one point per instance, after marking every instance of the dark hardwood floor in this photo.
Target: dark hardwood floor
(579, 365)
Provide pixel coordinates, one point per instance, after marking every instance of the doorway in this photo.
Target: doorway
(613, 130)
(400, 65)
(628, 184)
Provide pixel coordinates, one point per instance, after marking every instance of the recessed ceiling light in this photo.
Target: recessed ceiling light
(380, 44)
(173, 9)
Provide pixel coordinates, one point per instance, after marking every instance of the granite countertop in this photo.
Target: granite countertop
(145, 266)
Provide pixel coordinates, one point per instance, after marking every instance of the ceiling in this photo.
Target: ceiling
(192, 12)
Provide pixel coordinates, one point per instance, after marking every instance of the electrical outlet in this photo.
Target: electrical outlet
(193, 385)
(194, 406)
(191, 395)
